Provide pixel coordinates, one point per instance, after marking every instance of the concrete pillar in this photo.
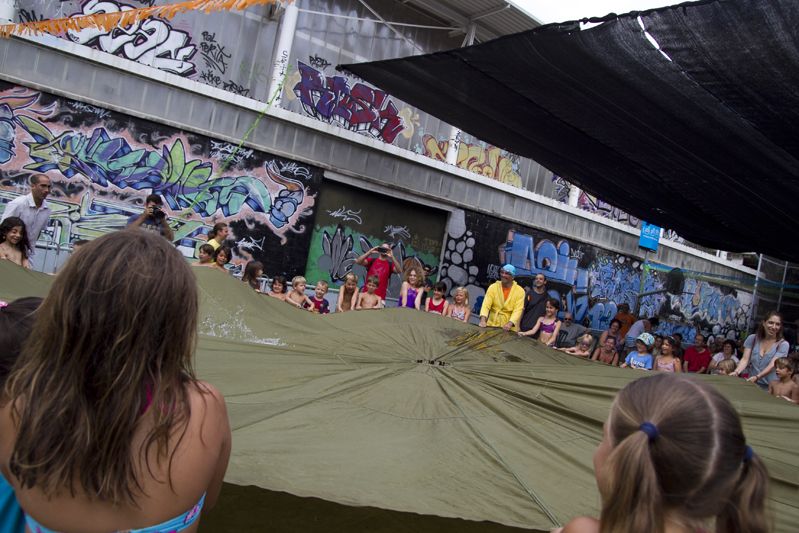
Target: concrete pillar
(574, 195)
(453, 144)
(285, 40)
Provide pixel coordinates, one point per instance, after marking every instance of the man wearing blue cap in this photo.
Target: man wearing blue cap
(504, 302)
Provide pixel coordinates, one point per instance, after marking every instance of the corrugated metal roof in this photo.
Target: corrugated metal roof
(492, 18)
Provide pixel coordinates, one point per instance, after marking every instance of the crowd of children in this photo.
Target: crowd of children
(350, 297)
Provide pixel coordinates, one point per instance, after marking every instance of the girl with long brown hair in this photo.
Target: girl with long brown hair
(674, 459)
(104, 426)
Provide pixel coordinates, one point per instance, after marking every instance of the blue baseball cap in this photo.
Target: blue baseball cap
(510, 269)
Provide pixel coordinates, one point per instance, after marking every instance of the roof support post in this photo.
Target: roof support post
(574, 195)
(753, 318)
(454, 140)
(782, 286)
(285, 41)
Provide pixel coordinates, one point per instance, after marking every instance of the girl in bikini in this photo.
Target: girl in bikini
(105, 426)
(459, 308)
(549, 325)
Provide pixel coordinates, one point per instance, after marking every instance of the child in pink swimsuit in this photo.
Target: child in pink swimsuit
(548, 325)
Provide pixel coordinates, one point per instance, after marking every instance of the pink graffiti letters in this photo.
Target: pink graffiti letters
(361, 108)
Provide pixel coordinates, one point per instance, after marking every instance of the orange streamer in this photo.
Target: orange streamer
(109, 21)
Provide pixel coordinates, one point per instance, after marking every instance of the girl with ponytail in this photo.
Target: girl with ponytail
(674, 460)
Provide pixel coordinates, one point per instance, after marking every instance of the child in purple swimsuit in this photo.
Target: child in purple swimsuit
(548, 325)
(411, 292)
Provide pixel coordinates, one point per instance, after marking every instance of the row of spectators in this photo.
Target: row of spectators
(629, 343)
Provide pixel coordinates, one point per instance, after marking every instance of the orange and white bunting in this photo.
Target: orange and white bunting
(109, 21)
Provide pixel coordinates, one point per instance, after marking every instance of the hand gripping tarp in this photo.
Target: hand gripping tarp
(397, 420)
(702, 142)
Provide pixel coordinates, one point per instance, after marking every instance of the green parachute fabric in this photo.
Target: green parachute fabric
(396, 420)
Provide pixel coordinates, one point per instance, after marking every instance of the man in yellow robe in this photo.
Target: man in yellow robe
(503, 303)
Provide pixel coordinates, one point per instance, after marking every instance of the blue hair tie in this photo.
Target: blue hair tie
(650, 429)
(748, 454)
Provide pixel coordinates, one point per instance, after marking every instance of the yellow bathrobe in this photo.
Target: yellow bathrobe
(501, 311)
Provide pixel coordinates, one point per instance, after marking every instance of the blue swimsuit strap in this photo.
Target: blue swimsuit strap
(179, 523)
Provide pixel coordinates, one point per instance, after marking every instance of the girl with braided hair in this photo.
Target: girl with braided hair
(674, 460)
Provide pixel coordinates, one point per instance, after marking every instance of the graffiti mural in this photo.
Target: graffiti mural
(350, 221)
(153, 42)
(594, 204)
(103, 164)
(561, 189)
(716, 309)
(489, 161)
(589, 282)
(186, 45)
(359, 108)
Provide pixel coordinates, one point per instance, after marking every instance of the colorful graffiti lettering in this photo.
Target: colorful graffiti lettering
(489, 161)
(150, 42)
(102, 164)
(589, 282)
(12, 108)
(183, 183)
(708, 304)
(361, 108)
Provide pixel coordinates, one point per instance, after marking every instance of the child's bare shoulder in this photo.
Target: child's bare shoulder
(581, 524)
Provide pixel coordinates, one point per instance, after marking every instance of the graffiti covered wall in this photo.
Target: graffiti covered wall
(588, 281)
(350, 221)
(215, 49)
(103, 164)
(487, 160)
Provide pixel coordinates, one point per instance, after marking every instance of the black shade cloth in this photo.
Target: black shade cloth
(703, 142)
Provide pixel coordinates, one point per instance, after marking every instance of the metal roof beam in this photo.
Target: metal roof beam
(489, 12)
(458, 18)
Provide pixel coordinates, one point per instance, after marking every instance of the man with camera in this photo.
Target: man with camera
(153, 218)
(381, 266)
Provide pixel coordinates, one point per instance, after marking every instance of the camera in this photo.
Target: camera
(383, 249)
(158, 213)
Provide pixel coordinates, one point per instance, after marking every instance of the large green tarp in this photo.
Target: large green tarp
(396, 420)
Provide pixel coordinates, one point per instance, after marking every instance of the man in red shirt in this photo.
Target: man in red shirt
(697, 357)
(381, 266)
